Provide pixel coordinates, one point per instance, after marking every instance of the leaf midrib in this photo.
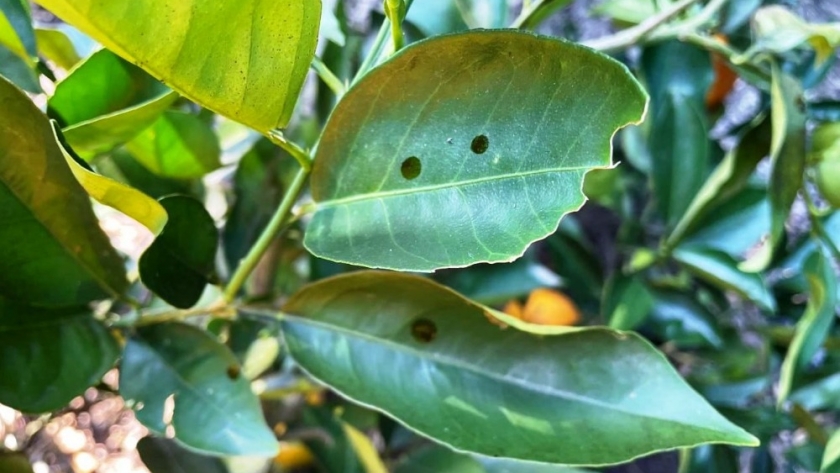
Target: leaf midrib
(449, 185)
(474, 369)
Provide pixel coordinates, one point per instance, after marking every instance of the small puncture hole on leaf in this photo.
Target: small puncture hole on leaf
(480, 144)
(411, 168)
(423, 330)
(233, 372)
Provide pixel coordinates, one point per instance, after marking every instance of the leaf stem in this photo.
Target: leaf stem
(395, 11)
(630, 36)
(333, 82)
(378, 48)
(247, 265)
(300, 155)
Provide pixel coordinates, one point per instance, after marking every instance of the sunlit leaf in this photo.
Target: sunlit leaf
(246, 60)
(127, 200)
(461, 149)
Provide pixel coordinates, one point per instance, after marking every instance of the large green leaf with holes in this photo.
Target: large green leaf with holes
(52, 251)
(246, 60)
(465, 148)
(184, 382)
(430, 358)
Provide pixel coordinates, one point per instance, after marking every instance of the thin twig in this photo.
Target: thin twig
(631, 36)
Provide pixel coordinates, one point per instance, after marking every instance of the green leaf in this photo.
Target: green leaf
(678, 76)
(627, 302)
(678, 318)
(14, 463)
(178, 145)
(215, 411)
(16, 31)
(334, 452)
(503, 465)
(18, 71)
(721, 270)
(831, 457)
(56, 46)
(127, 200)
(629, 11)
(432, 360)
(470, 156)
(166, 456)
(778, 30)
(245, 60)
(438, 459)
(122, 167)
(258, 189)
(736, 225)
(105, 102)
(50, 356)
(728, 178)
(815, 324)
(178, 264)
(53, 251)
(436, 17)
(787, 155)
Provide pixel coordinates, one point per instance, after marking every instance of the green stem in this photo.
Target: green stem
(333, 82)
(817, 227)
(626, 38)
(692, 24)
(716, 46)
(300, 155)
(247, 265)
(377, 50)
(394, 9)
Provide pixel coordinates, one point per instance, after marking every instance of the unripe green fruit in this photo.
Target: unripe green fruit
(825, 154)
(828, 179)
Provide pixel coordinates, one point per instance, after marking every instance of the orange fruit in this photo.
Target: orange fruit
(545, 307)
(293, 455)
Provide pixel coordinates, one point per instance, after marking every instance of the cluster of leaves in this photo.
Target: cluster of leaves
(462, 148)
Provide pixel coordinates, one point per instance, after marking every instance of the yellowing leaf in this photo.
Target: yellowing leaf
(127, 200)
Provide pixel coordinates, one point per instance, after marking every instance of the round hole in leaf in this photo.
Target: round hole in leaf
(480, 144)
(233, 372)
(411, 168)
(423, 330)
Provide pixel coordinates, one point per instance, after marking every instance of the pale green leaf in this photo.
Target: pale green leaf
(831, 457)
(778, 30)
(430, 358)
(461, 149)
(246, 60)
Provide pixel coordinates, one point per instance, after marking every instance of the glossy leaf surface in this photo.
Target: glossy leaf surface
(214, 409)
(52, 251)
(50, 356)
(464, 149)
(431, 359)
(179, 262)
(246, 60)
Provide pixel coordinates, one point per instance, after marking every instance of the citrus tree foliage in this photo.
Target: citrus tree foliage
(465, 247)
